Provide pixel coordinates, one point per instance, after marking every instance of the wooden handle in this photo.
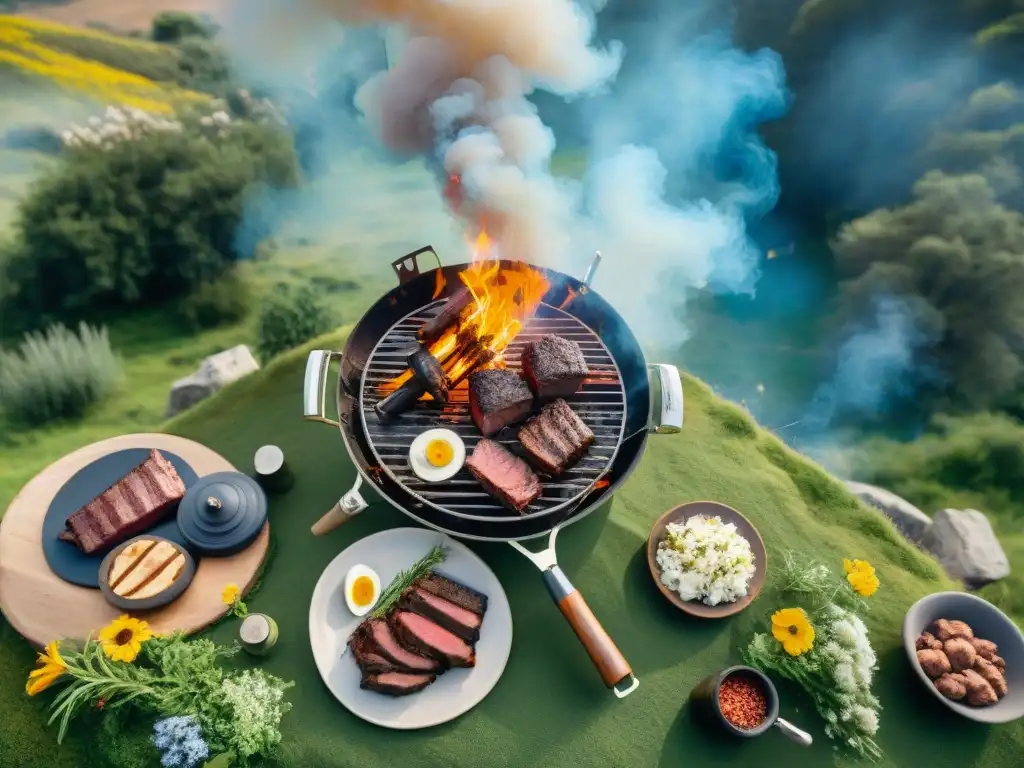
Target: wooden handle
(610, 663)
(336, 517)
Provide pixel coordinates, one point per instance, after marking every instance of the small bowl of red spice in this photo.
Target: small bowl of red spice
(743, 702)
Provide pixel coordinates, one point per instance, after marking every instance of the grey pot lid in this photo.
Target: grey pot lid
(222, 513)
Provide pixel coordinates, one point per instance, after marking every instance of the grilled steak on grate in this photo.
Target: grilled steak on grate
(504, 475)
(445, 614)
(497, 398)
(554, 366)
(555, 438)
(396, 683)
(419, 632)
(133, 504)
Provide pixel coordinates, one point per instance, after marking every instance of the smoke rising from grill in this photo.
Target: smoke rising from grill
(676, 165)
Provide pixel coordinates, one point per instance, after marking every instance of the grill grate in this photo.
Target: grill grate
(601, 403)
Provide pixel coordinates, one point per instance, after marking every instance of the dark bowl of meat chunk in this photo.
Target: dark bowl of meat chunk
(969, 654)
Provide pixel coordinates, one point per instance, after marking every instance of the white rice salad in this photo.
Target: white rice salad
(705, 559)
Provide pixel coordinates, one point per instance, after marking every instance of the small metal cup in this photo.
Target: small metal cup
(706, 706)
(272, 472)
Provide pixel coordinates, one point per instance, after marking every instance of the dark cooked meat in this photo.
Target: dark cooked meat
(453, 592)
(450, 616)
(133, 504)
(504, 475)
(396, 683)
(554, 367)
(426, 637)
(497, 398)
(382, 641)
(555, 438)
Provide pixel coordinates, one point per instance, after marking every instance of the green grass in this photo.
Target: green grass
(550, 708)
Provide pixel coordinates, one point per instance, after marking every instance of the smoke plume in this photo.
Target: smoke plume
(675, 163)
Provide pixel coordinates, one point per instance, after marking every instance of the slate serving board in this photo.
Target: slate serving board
(63, 557)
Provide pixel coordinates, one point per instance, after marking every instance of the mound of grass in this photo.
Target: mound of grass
(794, 504)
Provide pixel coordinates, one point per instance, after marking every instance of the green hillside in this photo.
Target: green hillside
(720, 455)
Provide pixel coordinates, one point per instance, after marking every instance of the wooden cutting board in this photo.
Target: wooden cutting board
(44, 607)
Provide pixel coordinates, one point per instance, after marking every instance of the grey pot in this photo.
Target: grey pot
(988, 622)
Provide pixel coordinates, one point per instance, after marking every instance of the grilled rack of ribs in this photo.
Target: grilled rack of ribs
(133, 504)
(556, 438)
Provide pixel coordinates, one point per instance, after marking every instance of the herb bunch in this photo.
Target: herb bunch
(406, 579)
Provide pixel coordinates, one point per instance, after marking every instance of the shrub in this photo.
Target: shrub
(57, 374)
(292, 316)
(205, 66)
(175, 26)
(224, 300)
(142, 216)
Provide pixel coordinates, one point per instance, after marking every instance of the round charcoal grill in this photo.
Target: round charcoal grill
(601, 403)
(623, 400)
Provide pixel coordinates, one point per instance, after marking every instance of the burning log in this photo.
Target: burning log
(425, 375)
(449, 315)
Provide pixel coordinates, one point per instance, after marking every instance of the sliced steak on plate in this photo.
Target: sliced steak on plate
(448, 615)
(497, 398)
(554, 367)
(396, 683)
(454, 592)
(556, 438)
(504, 475)
(424, 636)
(381, 641)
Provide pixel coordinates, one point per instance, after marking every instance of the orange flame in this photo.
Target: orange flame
(504, 297)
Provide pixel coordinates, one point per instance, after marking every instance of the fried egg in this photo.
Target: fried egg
(362, 589)
(437, 455)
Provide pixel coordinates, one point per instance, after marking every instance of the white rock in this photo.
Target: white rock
(214, 372)
(911, 521)
(965, 544)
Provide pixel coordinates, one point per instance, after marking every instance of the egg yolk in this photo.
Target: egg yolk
(362, 591)
(440, 453)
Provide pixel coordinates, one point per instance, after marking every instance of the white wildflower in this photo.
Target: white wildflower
(846, 634)
(866, 720)
(846, 677)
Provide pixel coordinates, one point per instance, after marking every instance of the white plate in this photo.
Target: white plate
(331, 624)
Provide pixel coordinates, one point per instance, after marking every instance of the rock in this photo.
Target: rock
(911, 521)
(214, 372)
(965, 544)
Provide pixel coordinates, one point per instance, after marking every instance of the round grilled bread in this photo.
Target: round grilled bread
(145, 572)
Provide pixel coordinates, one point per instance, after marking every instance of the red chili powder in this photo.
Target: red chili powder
(742, 702)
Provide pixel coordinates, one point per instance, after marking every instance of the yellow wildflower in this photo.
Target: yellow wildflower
(791, 627)
(51, 667)
(861, 576)
(122, 639)
(230, 594)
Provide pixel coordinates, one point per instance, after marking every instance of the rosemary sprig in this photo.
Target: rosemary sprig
(405, 579)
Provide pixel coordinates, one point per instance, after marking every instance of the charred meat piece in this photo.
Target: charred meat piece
(450, 616)
(424, 636)
(556, 438)
(453, 592)
(498, 398)
(133, 504)
(396, 683)
(554, 367)
(504, 475)
(381, 641)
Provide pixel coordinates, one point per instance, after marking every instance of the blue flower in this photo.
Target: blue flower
(181, 742)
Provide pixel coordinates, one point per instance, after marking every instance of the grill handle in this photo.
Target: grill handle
(667, 403)
(610, 663)
(314, 390)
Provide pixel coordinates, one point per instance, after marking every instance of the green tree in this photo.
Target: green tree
(143, 220)
(956, 254)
